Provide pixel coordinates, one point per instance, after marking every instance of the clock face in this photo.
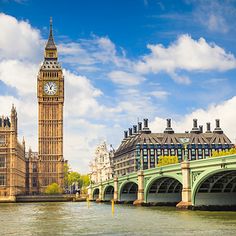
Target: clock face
(50, 88)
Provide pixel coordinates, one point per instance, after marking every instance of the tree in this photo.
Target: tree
(73, 177)
(84, 182)
(167, 160)
(53, 188)
(217, 153)
(66, 175)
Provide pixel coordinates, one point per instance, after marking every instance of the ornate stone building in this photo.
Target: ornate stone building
(32, 172)
(140, 148)
(50, 118)
(102, 166)
(12, 159)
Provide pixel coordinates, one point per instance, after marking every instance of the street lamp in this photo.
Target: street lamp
(185, 142)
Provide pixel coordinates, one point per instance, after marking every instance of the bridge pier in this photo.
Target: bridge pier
(100, 196)
(90, 193)
(115, 189)
(140, 199)
(186, 202)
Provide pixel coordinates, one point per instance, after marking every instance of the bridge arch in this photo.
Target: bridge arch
(128, 191)
(215, 188)
(164, 189)
(95, 194)
(108, 193)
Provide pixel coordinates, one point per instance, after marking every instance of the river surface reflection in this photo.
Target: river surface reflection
(75, 218)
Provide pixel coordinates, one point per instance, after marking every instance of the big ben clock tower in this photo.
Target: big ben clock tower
(50, 117)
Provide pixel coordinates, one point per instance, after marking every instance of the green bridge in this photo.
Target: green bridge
(206, 182)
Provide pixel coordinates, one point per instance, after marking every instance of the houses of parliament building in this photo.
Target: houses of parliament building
(31, 172)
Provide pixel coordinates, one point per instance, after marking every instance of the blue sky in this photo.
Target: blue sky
(123, 61)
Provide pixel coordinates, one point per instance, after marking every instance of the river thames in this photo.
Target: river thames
(69, 218)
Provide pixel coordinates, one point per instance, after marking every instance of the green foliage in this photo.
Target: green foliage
(224, 152)
(85, 180)
(167, 160)
(53, 188)
(66, 174)
(73, 177)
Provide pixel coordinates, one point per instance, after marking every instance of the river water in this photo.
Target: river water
(75, 218)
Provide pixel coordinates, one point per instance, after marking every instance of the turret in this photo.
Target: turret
(195, 129)
(14, 118)
(168, 129)
(217, 129)
(208, 124)
(145, 127)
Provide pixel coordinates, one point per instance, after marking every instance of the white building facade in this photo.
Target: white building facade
(102, 166)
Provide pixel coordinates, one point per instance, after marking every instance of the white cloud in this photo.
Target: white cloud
(161, 94)
(217, 16)
(27, 121)
(125, 78)
(18, 39)
(89, 52)
(224, 111)
(186, 54)
(19, 75)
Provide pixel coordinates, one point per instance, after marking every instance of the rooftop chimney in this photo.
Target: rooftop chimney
(145, 121)
(139, 127)
(125, 134)
(135, 129)
(208, 127)
(168, 129)
(145, 128)
(217, 129)
(195, 128)
(200, 128)
(130, 132)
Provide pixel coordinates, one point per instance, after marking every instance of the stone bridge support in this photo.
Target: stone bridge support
(186, 190)
(90, 192)
(100, 198)
(140, 199)
(115, 189)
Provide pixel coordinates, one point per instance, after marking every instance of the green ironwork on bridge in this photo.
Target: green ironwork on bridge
(206, 182)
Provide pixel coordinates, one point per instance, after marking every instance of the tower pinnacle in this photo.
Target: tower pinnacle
(50, 44)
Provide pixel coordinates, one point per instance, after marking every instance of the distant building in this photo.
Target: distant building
(12, 159)
(140, 148)
(102, 166)
(32, 172)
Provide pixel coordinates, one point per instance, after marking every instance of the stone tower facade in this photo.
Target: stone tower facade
(50, 91)
(12, 159)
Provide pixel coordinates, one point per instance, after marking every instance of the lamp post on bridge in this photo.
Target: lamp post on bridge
(185, 167)
(185, 142)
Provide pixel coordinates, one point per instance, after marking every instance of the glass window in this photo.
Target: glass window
(144, 151)
(152, 151)
(138, 152)
(172, 152)
(2, 139)
(145, 159)
(2, 180)
(34, 167)
(165, 152)
(193, 156)
(34, 182)
(2, 161)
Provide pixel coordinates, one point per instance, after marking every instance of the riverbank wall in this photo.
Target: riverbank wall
(43, 198)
